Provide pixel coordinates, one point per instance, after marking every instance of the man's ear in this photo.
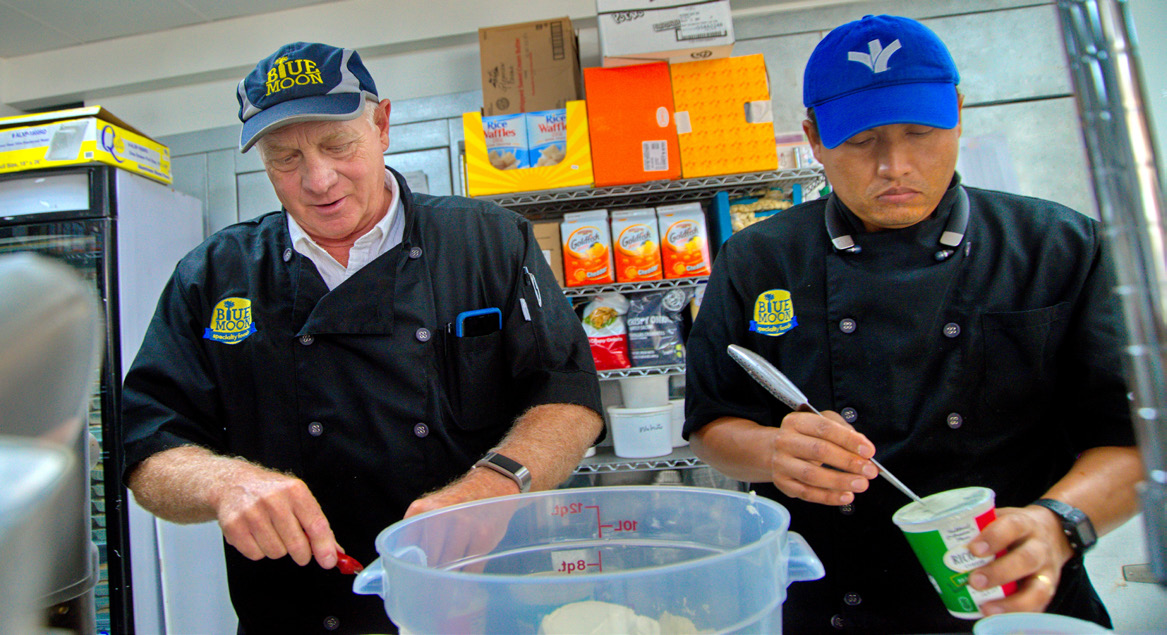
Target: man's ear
(812, 136)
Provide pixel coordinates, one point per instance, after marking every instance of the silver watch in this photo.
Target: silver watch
(508, 467)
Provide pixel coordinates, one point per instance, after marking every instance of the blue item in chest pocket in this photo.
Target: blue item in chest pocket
(478, 322)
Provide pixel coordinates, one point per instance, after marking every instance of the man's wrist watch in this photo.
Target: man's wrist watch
(1075, 523)
(508, 467)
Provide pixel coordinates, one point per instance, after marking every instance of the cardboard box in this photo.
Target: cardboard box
(529, 67)
(547, 235)
(575, 170)
(636, 31)
(725, 123)
(80, 135)
(630, 123)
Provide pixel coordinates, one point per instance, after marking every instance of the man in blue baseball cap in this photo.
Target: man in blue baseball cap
(961, 337)
(365, 354)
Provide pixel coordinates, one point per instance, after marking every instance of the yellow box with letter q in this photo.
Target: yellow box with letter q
(90, 134)
(574, 170)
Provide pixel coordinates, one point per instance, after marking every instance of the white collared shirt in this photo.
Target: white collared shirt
(385, 235)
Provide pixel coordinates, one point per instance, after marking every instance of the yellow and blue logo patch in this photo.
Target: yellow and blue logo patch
(230, 321)
(773, 313)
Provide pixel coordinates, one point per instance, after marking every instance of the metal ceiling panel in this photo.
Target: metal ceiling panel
(219, 10)
(21, 34)
(94, 21)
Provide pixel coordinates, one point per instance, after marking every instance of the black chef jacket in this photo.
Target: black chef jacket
(994, 367)
(359, 391)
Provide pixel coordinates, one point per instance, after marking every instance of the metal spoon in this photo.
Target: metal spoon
(781, 387)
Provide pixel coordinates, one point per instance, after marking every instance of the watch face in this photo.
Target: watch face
(1086, 533)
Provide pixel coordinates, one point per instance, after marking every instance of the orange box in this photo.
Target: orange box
(630, 123)
(684, 240)
(636, 245)
(587, 248)
(725, 124)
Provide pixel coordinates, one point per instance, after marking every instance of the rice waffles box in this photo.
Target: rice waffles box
(76, 136)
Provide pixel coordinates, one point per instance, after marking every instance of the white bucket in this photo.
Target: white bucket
(651, 391)
(678, 422)
(639, 433)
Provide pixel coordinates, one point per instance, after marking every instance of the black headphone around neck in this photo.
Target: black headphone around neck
(953, 234)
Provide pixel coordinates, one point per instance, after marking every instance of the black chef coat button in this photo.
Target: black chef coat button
(421, 430)
(955, 420)
(414, 253)
(422, 334)
(331, 623)
(288, 255)
(849, 414)
(847, 509)
(307, 339)
(847, 325)
(315, 428)
(952, 329)
(837, 621)
(852, 599)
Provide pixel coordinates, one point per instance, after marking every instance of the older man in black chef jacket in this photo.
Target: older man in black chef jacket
(363, 355)
(964, 337)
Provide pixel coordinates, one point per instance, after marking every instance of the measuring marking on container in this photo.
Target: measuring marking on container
(576, 561)
(573, 509)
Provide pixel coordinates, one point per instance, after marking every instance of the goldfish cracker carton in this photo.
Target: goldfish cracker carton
(506, 141)
(636, 245)
(587, 248)
(684, 240)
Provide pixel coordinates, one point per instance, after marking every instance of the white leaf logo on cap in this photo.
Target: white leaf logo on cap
(876, 60)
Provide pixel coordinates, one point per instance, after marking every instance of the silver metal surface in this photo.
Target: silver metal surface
(779, 385)
(634, 287)
(1105, 70)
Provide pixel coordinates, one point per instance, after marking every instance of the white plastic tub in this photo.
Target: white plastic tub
(651, 391)
(639, 433)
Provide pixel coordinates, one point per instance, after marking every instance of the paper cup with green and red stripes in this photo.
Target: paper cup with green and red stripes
(939, 532)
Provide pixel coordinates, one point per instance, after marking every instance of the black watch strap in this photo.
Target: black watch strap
(1075, 523)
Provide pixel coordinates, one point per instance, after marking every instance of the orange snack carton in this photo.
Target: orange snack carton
(684, 240)
(587, 248)
(636, 245)
(630, 124)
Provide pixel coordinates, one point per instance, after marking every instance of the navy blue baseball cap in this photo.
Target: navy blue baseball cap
(877, 71)
(302, 81)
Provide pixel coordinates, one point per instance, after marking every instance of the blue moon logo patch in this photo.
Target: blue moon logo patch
(230, 321)
(773, 313)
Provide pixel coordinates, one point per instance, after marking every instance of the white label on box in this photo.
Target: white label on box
(656, 155)
(696, 24)
(684, 126)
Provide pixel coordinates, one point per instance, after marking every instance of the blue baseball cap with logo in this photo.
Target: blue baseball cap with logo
(877, 71)
(302, 81)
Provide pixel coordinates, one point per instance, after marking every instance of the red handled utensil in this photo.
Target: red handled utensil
(348, 565)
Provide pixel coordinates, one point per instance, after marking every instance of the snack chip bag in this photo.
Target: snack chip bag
(636, 245)
(587, 248)
(603, 322)
(684, 240)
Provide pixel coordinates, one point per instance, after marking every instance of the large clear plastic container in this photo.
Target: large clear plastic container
(720, 559)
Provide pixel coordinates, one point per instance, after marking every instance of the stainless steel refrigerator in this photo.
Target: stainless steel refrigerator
(125, 233)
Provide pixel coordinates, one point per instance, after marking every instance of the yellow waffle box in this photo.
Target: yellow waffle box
(725, 123)
(76, 136)
(573, 170)
(587, 248)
